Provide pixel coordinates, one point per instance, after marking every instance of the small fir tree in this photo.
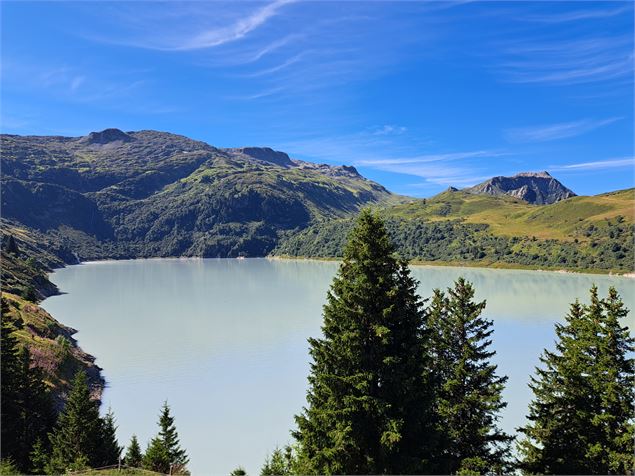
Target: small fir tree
(134, 457)
(109, 447)
(281, 462)
(164, 451)
(39, 458)
(77, 436)
(156, 457)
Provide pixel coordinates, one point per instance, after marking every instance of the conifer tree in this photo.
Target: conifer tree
(281, 462)
(27, 409)
(78, 433)
(468, 397)
(616, 386)
(37, 416)
(368, 401)
(109, 448)
(581, 418)
(133, 456)
(156, 457)
(164, 451)
(10, 388)
(39, 458)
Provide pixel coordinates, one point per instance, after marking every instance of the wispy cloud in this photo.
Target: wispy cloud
(568, 61)
(561, 130)
(389, 129)
(188, 29)
(577, 15)
(597, 165)
(422, 159)
(398, 154)
(236, 31)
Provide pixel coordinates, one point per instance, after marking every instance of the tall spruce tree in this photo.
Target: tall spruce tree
(368, 400)
(37, 415)
(133, 457)
(616, 386)
(10, 389)
(77, 436)
(164, 453)
(468, 396)
(581, 418)
(27, 408)
(109, 448)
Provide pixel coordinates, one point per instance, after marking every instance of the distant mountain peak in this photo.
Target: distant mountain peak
(107, 136)
(543, 174)
(539, 188)
(265, 154)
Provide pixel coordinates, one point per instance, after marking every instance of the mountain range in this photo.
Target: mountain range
(116, 194)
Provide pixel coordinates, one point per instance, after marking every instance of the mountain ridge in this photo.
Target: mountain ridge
(137, 194)
(538, 188)
(116, 194)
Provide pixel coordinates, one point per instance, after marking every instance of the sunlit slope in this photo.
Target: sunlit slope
(591, 234)
(506, 216)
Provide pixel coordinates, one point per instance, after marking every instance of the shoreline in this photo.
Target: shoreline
(418, 263)
(491, 266)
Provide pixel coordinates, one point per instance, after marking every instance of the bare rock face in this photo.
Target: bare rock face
(106, 137)
(539, 188)
(264, 154)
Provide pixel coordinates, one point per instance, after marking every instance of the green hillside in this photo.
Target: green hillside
(113, 194)
(593, 233)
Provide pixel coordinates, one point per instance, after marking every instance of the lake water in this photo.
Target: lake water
(224, 341)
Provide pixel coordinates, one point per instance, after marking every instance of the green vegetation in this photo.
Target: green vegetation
(151, 193)
(32, 442)
(580, 233)
(368, 400)
(164, 453)
(77, 437)
(134, 457)
(468, 397)
(51, 347)
(27, 410)
(377, 335)
(582, 419)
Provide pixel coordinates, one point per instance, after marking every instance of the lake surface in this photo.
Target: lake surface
(224, 341)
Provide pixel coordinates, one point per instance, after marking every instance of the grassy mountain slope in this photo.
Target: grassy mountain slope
(114, 194)
(580, 233)
(27, 256)
(51, 346)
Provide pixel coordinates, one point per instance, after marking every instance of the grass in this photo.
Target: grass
(507, 216)
(50, 344)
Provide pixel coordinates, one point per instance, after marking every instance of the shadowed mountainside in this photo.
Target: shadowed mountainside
(115, 194)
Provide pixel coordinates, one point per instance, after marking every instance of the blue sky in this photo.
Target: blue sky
(418, 95)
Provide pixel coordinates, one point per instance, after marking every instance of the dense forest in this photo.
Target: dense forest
(455, 227)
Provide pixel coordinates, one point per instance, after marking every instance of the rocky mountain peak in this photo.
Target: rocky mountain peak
(539, 188)
(265, 154)
(543, 174)
(107, 136)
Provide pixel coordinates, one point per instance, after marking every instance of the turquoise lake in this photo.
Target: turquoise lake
(224, 341)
